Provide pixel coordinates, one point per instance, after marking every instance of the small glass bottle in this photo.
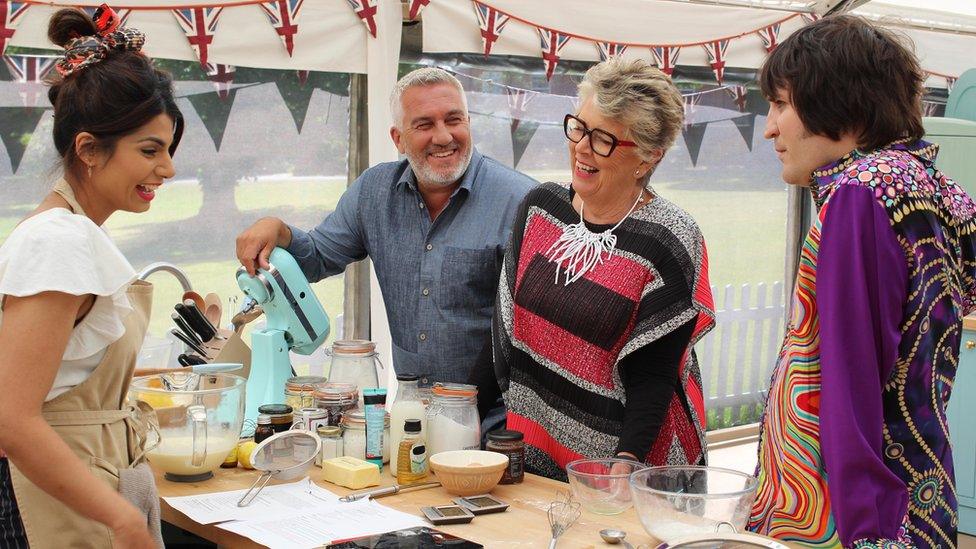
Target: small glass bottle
(331, 443)
(281, 416)
(407, 405)
(264, 429)
(411, 454)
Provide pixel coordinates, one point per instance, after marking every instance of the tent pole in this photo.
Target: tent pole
(355, 307)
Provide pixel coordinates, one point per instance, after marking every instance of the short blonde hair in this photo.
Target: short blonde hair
(638, 95)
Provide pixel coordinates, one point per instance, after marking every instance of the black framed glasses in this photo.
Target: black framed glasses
(602, 142)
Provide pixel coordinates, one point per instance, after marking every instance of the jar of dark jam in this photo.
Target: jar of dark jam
(509, 442)
(281, 416)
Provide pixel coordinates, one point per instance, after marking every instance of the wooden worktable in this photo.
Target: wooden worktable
(523, 525)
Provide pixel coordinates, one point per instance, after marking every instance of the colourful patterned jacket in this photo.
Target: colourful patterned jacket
(854, 448)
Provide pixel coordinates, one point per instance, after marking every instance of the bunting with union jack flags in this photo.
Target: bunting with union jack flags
(518, 104)
(770, 37)
(491, 23)
(716, 57)
(366, 11)
(199, 25)
(738, 94)
(690, 107)
(665, 57)
(12, 14)
(30, 70)
(610, 49)
(283, 15)
(416, 6)
(552, 43)
(222, 77)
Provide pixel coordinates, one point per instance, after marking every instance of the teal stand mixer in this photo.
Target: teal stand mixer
(296, 322)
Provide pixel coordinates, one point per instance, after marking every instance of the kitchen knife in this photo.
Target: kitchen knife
(178, 320)
(190, 359)
(189, 343)
(202, 318)
(195, 319)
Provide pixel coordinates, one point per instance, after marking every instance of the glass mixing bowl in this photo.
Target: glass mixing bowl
(200, 418)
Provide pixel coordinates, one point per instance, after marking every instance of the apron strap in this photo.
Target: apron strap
(86, 417)
(63, 189)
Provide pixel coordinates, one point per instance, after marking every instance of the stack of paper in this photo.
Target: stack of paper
(297, 515)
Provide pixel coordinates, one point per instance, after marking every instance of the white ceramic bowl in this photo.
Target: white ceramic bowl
(468, 472)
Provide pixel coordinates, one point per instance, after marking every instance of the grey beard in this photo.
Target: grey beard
(423, 173)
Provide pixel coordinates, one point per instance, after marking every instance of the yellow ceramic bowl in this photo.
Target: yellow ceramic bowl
(468, 472)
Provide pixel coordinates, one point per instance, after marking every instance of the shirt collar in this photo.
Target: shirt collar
(467, 180)
(824, 177)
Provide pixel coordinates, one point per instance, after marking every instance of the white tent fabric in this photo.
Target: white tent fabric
(452, 26)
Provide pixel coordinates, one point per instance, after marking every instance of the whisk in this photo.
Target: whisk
(562, 514)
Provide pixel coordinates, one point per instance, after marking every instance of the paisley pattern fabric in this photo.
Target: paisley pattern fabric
(933, 221)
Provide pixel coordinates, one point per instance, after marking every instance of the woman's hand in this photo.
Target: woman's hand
(132, 531)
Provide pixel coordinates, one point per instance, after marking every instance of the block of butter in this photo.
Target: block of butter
(350, 472)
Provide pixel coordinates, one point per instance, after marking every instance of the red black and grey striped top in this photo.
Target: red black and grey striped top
(574, 361)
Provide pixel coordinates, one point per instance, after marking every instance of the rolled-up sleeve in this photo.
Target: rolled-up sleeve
(336, 242)
(862, 280)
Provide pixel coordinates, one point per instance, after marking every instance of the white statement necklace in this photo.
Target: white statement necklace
(583, 249)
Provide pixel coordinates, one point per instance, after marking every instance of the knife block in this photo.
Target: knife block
(231, 349)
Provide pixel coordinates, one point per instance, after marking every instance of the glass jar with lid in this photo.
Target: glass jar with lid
(452, 418)
(331, 443)
(280, 414)
(510, 443)
(355, 361)
(354, 435)
(299, 391)
(336, 398)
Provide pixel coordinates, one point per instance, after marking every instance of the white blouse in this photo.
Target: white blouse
(57, 250)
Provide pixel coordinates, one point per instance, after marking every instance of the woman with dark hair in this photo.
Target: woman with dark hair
(72, 316)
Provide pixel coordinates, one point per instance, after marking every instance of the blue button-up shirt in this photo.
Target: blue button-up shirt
(438, 278)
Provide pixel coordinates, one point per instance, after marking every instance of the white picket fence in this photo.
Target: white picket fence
(738, 355)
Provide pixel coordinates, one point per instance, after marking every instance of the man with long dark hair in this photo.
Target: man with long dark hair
(854, 448)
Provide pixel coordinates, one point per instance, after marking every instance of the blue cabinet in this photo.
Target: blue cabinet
(962, 431)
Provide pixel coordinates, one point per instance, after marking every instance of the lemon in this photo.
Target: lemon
(244, 451)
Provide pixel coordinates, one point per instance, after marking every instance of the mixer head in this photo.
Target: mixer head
(288, 301)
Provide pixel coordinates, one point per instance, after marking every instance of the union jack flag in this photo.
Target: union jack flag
(12, 12)
(716, 57)
(666, 58)
(416, 6)
(738, 94)
(29, 71)
(222, 77)
(552, 43)
(610, 49)
(518, 104)
(690, 107)
(199, 25)
(283, 15)
(365, 10)
(770, 37)
(491, 23)
(810, 17)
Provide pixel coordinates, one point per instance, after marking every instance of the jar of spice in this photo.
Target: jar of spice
(354, 435)
(510, 443)
(280, 414)
(332, 446)
(264, 429)
(299, 390)
(336, 398)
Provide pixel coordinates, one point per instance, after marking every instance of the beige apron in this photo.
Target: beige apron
(97, 423)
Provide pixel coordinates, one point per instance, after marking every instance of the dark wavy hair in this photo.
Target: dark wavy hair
(109, 99)
(845, 74)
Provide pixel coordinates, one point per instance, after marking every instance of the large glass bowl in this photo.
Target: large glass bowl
(200, 418)
(600, 485)
(673, 502)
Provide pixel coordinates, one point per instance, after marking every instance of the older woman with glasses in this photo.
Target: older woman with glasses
(604, 291)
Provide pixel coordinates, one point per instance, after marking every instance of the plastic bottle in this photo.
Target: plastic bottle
(407, 405)
(411, 454)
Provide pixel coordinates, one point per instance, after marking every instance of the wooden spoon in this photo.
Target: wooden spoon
(214, 308)
(197, 299)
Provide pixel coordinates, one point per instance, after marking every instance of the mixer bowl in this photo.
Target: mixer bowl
(200, 418)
